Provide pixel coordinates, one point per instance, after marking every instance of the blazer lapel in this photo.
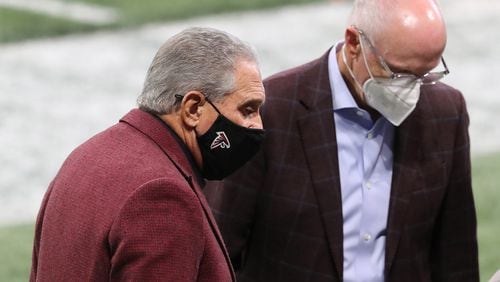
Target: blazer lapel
(154, 129)
(317, 131)
(213, 225)
(406, 178)
(402, 181)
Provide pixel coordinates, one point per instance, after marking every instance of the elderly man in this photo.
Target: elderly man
(365, 171)
(127, 205)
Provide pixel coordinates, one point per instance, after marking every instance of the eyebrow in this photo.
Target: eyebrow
(252, 102)
(398, 70)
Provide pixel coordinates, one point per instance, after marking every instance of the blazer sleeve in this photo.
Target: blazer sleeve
(454, 254)
(157, 235)
(234, 202)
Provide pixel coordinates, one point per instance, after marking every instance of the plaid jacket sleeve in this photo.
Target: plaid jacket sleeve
(454, 255)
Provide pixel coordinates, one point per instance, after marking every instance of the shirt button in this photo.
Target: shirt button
(368, 185)
(360, 113)
(369, 135)
(367, 237)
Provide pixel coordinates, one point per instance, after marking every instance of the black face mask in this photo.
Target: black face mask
(226, 146)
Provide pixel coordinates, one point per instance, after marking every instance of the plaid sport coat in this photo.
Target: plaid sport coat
(281, 214)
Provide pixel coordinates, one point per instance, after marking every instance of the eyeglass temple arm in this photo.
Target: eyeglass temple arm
(446, 70)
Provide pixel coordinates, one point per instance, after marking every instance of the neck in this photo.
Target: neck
(354, 86)
(187, 135)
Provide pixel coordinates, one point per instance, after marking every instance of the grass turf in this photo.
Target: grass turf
(17, 25)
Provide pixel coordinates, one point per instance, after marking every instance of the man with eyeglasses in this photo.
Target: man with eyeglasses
(365, 171)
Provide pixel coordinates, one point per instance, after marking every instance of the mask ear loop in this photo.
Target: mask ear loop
(349, 68)
(364, 58)
(210, 102)
(180, 97)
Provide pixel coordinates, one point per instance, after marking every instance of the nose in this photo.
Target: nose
(256, 122)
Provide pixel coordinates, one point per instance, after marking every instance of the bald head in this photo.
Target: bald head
(409, 34)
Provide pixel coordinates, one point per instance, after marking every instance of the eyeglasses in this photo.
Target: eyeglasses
(426, 79)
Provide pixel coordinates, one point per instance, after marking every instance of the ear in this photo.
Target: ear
(352, 44)
(191, 108)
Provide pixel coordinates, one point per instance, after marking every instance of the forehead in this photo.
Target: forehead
(408, 59)
(406, 51)
(248, 84)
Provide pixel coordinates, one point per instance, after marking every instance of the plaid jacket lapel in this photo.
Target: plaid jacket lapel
(317, 131)
(407, 177)
(403, 180)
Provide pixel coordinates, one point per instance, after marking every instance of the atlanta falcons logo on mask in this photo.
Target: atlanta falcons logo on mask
(220, 141)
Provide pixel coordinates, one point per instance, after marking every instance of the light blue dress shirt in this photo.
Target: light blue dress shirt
(365, 164)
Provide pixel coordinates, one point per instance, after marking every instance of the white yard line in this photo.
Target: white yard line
(81, 12)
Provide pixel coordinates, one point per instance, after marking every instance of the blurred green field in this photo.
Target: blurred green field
(16, 241)
(16, 25)
(137, 12)
(486, 178)
(15, 246)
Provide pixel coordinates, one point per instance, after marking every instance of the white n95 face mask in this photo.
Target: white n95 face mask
(394, 98)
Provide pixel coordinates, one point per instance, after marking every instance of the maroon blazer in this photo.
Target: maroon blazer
(281, 214)
(125, 207)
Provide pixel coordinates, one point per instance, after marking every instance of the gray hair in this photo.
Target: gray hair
(196, 59)
(370, 16)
